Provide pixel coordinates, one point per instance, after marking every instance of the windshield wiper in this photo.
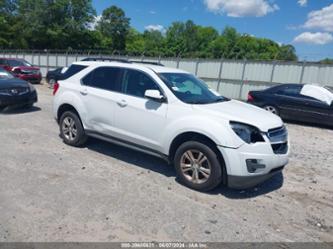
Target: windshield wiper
(197, 102)
(222, 99)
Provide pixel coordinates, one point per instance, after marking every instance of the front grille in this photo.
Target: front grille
(279, 140)
(17, 91)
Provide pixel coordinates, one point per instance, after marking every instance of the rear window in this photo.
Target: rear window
(73, 69)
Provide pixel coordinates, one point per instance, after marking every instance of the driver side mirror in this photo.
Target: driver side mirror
(154, 95)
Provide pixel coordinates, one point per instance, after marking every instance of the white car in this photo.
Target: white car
(171, 114)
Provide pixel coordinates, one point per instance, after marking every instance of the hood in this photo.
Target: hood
(234, 110)
(12, 83)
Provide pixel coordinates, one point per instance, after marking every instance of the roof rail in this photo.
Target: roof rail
(148, 63)
(122, 60)
(106, 59)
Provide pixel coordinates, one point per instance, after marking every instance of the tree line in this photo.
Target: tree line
(72, 24)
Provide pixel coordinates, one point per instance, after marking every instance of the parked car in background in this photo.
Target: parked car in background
(297, 102)
(53, 75)
(15, 92)
(22, 69)
(171, 114)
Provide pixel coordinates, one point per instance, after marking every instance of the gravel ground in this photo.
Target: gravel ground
(52, 192)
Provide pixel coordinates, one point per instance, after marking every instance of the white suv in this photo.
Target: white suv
(170, 113)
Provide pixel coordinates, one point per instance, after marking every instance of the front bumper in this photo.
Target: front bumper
(237, 166)
(245, 182)
(25, 99)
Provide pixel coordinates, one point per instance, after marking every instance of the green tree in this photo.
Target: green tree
(116, 25)
(153, 42)
(55, 24)
(231, 36)
(218, 47)
(8, 18)
(189, 40)
(205, 37)
(67, 24)
(287, 53)
(135, 43)
(175, 39)
(326, 61)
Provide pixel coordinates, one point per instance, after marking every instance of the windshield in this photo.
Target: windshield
(4, 75)
(190, 89)
(19, 63)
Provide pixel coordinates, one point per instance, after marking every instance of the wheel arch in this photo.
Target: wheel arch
(198, 137)
(64, 108)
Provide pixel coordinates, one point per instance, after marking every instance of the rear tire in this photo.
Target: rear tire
(71, 129)
(198, 166)
(2, 108)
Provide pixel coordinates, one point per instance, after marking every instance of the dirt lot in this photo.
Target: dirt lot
(52, 192)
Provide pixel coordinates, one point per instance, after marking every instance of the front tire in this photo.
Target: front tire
(28, 106)
(197, 166)
(71, 129)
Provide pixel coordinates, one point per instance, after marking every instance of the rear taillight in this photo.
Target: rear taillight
(249, 97)
(55, 88)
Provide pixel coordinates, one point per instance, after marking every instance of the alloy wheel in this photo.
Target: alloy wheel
(195, 166)
(69, 128)
(271, 109)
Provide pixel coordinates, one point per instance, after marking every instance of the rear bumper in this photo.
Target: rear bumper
(28, 98)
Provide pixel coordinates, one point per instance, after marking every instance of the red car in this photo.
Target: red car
(22, 69)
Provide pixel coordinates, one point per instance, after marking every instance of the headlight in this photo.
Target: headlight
(247, 133)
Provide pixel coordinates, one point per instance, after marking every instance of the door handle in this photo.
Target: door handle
(122, 103)
(84, 92)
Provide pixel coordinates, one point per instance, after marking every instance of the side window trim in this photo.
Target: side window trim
(147, 75)
(121, 81)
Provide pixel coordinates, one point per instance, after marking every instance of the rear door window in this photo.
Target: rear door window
(107, 78)
(73, 69)
(289, 90)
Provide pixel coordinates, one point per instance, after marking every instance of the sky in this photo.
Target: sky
(306, 24)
